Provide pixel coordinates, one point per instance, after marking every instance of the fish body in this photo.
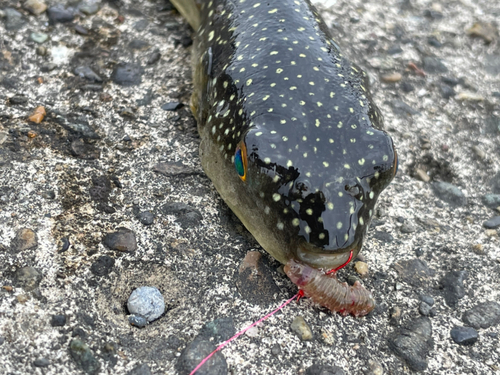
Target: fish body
(290, 136)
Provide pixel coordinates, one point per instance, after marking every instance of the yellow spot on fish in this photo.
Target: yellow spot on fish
(273, 11)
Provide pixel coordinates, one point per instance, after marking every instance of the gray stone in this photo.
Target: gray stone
(302, 329)
(195, 352)
(483, 315)
(88, 73)
(318, 369)
(41, 362)
(59, 14)
(13, 19)
(219, 330)
(146, 301)
(27, 278)
(492, 223)
(25, 239)
(449, 193)
(122, 240)
(88, 8)
(35, 7)
(413, 343)
(142, 369)
(491, 200)
(39, 37)
(464, 335)
(434, 65)
(83, 357)
(138, 321)
(127, 74)
(453, 287)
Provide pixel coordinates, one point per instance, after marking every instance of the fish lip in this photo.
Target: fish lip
(324, 259)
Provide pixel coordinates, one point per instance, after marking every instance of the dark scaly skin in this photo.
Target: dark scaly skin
(268, 74)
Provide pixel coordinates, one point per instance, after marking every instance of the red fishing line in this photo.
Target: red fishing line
(242, 332)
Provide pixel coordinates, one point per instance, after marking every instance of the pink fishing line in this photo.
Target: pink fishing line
(242, 332)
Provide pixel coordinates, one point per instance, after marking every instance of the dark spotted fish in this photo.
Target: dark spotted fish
(290, 136)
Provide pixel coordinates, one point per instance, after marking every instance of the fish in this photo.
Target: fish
(290, 135)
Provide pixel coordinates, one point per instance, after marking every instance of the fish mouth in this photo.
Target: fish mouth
(319, 258)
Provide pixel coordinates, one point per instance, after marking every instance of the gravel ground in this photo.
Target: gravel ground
(106, 194)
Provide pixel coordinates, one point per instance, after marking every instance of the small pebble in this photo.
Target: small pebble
(492, 223)
(195, 352)
(407, 228)
(449, 193)
(375, 367)
(41, 362)
(483, 315)
(41, 50)
(25, 239)
(276, 349)
(490, 232)
(38, 115)
(252, 332)
(59, 14)
(79, 29)
(427, 299)
(469, 96)
(65, 244)
(13, 19)
(88, 73)
(22, 298)
(138, 321)
(48, 67)
(478, 152)
(2, 340)
(464, 335)
(146, 217)
(491, 200)
(35, 7)
(39, 37)
(127, 74)
(84, 357)
(361, 268)
(327, 337)
(172, 106)
(18, 99)
(122, 240)
(452, 285)
(422, 175)
(434, 65)
(485, 31)
(300, 327)
(88, 8)
(58, 320)
(426, 310)
(146, 301)
(27, 278)
(391, 78)
(154, 58)
(102, 266)
(141, 369)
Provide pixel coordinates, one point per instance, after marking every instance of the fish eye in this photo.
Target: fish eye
(240, 160)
